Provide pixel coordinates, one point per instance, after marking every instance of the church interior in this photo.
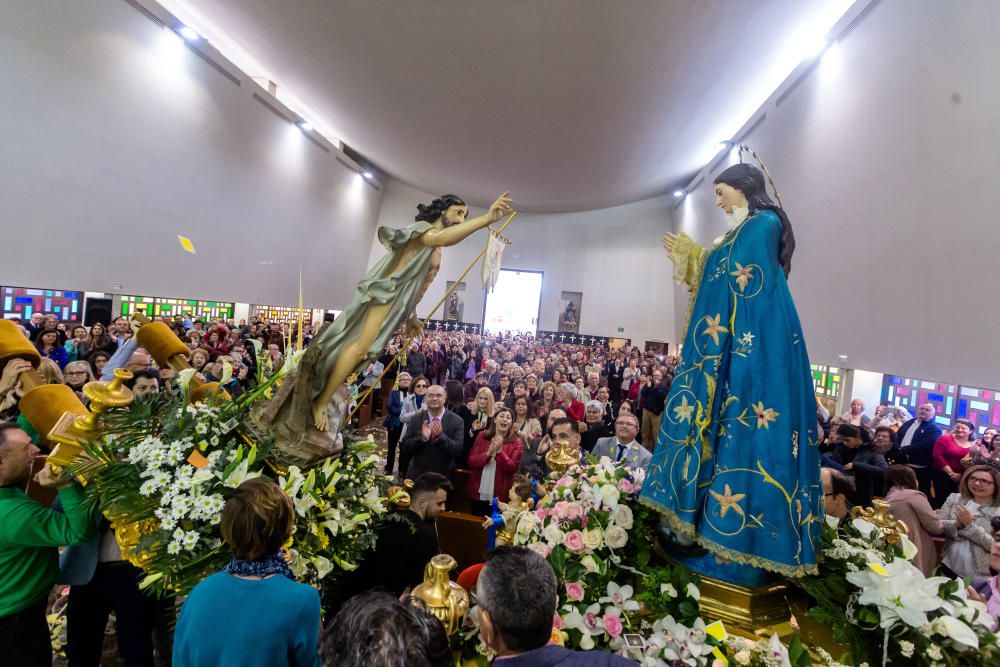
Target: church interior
(538, 332)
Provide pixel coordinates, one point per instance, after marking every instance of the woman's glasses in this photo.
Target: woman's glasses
(420, 386)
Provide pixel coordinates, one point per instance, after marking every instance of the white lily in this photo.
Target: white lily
(956, 630)
(905, 595)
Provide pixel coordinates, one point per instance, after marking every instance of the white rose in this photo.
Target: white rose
(616, 537)
(623, 516)
(592, 539)
(589, 564)
(525, 525)
(553, 535)
(610, 495)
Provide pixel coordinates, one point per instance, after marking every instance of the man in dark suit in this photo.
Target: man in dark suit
(613, 371)
(434, 437)
(916, 443)
(517, 597)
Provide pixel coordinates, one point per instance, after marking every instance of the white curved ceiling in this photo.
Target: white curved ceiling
(569, 104)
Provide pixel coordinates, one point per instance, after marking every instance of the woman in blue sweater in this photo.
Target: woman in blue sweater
(253, 612)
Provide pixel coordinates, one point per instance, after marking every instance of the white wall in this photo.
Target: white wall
(887, 159)
(112, 144)
(865, 385)
(613, 256)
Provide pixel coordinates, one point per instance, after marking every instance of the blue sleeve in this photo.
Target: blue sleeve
(119, 359)
(306, 643)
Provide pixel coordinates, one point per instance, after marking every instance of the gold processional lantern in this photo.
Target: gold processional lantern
(55, 411)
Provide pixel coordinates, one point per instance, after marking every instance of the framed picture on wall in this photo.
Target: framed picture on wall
(454, 305)
(569, 311)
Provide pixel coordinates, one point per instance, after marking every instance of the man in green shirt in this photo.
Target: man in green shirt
(30, 535)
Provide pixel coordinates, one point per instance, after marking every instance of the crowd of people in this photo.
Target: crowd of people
(490, 406)
(945, 487)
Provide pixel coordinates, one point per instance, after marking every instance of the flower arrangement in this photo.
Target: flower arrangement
(596, 536)
(885, 610)
(165, 467)
(335, 505)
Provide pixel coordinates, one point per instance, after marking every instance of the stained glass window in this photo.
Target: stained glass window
(827, 381)
(911, 393)
(22, 302)
(980, 406)
(288, 314)
(157, 306)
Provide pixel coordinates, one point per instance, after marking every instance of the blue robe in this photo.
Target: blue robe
(736, 466)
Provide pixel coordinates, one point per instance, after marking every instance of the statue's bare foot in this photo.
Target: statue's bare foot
(320, 419)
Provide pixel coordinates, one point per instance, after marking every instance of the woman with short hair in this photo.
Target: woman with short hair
(253, 612)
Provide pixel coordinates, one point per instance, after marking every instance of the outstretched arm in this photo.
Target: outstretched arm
(458, 233)
(686, 256)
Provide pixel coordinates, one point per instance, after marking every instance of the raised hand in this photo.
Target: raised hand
(11, 372)
(425, 431)
(501, 207)
(435, 429)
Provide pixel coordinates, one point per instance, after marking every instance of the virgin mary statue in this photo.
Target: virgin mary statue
(736, 468)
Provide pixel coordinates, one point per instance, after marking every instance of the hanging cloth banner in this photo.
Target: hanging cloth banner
(492, 259)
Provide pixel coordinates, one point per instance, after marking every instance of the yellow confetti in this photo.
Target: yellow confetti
(878, 568)
(186, 244)
(717, 631)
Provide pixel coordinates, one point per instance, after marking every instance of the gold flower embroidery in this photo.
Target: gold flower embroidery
(743, 275)
(764, 415)
(714, 328)
(684, 410)
(728, 500)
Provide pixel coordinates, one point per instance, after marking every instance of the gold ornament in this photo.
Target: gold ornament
(562, 456)
(72, 429)
(878, 515)
(128, 535)
(443, 598)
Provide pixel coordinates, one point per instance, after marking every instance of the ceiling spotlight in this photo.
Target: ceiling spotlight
(189, 34)
(678, 194)
(366, 174)
(305, 126)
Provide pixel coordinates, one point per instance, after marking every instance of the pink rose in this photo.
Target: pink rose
(574, 541)
(573, 511)
(557, 622)
(542, 513)
(560, 510)
(574, 591)
(565, 482)
(625, 486)
(612, 625)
